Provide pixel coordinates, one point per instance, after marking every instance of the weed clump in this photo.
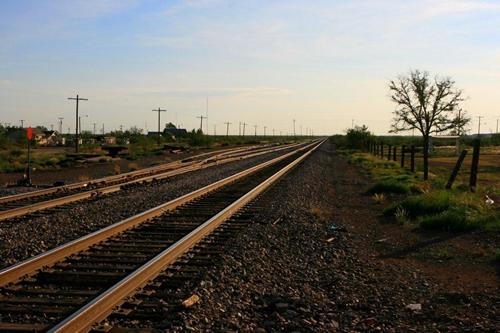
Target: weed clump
(389, 186)
(422, 205)
(454, 219)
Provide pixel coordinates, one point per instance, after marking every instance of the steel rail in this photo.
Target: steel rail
(29, 266)
(101, 306)
(16, 212)
(123, 176)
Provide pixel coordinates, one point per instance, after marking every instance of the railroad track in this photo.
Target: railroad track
(28, 203)
(73, 286)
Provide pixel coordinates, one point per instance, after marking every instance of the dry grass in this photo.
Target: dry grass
(83, 178)
(133, 166)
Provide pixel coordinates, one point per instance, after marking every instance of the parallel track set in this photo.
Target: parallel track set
(74, 286)
(28, 203)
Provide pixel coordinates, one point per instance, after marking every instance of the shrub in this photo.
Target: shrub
(423, 204)
(389, 186)
(16, 152)
(450, 220)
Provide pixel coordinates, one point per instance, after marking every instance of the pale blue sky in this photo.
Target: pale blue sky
(323, 63)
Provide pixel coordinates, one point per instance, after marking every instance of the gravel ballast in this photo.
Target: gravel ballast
(310, 264)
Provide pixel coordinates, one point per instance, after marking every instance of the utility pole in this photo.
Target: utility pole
(159, 112)
(22, 123)
(265, 130)
(497, 125)
(352, 123)
(94, 128)
(227, 128)
(255, 128)
(300, 130)
(239, 128)
(77, 99)
(201, 122)
(294, 127)
(215, 130)
(273, 131)
(479, 125)
(102, 128)
(60, 124)
(244, 125)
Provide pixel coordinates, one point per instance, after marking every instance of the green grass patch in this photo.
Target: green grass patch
(455, 219)
(421, 205)
(496, 256)
(389, 186)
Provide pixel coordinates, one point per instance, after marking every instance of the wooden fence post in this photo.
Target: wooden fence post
(474, 166)
(412, 158)
(403, 147)
(394, 154)
(454, 173)
(389, 152)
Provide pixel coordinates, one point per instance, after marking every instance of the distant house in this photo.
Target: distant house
(47, 138)
(176, 132)
(110, 140)
(153, 133)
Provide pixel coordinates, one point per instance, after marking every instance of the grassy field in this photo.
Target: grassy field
(426, 204)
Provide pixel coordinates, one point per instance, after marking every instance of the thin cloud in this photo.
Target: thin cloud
(436, 8)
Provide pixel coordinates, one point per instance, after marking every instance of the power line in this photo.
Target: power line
(77, 99)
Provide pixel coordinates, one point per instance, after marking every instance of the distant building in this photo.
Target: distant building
(110, 140)
(154, 134)
(41, 136)
(176, 132)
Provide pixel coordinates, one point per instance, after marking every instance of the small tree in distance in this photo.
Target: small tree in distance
(357, 137)
(428, 105)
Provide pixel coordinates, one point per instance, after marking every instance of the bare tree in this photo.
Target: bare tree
(428, 105)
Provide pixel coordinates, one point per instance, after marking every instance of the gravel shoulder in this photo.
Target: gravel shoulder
(319, 259)
(30, 236)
